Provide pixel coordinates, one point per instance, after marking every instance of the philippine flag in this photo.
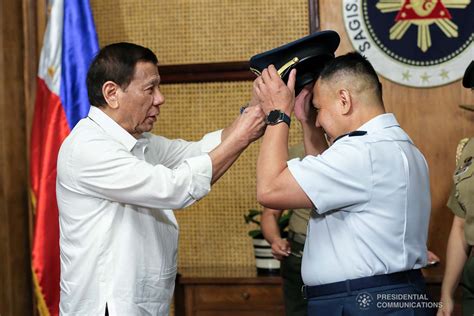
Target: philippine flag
(70, 43)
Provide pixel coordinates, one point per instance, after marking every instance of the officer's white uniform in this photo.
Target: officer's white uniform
(372, 205)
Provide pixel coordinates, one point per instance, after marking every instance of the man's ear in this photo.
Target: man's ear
(110, 92)
(345, 101)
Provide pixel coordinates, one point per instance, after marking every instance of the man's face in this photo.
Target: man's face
(140, 102)
(326, 105)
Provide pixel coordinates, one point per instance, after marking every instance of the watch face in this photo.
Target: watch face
(273, 116)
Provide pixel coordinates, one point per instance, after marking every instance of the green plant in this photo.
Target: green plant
(253, 216)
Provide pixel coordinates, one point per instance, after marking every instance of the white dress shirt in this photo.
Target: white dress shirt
(372, 205)
(118, 233)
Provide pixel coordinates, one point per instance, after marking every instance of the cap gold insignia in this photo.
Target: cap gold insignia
(282, 69)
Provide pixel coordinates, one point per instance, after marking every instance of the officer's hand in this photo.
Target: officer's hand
(304, 110)
(280, 248)
(447, 308)
(273, 93)
(433, 259)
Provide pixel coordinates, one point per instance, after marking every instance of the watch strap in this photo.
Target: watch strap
(282, 117)
(285, 118)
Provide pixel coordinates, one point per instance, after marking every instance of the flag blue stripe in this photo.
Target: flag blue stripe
(80, 45)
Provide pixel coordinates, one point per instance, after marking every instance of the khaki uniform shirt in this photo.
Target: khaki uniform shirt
(300, 217)
(461, 200)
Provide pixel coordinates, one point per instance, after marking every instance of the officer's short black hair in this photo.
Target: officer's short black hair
(355, 64)
(115, 62)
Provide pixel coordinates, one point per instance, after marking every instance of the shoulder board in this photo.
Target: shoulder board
(351, 134)
(357, 133)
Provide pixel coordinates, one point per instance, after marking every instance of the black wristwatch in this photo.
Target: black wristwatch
(277, 116)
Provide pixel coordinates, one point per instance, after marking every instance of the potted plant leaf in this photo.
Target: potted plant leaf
(265, 262)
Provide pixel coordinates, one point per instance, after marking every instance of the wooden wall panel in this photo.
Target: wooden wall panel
(434, 121)
(15, 280)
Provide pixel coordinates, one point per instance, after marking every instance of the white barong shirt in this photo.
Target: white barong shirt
(118, 233)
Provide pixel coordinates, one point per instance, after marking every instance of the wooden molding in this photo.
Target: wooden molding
(191, 73)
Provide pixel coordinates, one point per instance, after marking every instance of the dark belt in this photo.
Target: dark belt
(411, 276)
(299, 238)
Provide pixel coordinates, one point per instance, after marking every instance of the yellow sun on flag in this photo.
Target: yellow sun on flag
(51, 71)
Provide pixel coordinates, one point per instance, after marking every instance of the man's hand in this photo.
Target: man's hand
(250, 125)
(447, 308)
(313, 137)
(280, 248)
(272, 91)
(433, 259)
(246, 128)
(304, 111)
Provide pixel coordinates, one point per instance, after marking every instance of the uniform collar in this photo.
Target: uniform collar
(376, 124)
(379, 122)
(112, 128)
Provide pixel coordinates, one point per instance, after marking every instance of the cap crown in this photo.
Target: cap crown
(307, 55)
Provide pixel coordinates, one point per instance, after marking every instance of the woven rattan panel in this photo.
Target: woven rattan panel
(201, 31)
(213, 231)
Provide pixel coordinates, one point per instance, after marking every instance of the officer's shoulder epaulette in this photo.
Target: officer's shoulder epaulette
(462, 144)
(357, 133)
(351, 134)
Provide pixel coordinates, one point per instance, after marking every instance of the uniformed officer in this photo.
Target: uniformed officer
(366, 238)
(459, 262)
(290, 250)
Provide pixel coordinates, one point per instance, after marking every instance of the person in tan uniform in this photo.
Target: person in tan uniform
(290, 250)
(459, 262)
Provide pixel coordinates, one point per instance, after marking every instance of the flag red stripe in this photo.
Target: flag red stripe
(49, 129)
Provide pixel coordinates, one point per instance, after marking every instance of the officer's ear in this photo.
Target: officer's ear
(345, 101)
(110, 91)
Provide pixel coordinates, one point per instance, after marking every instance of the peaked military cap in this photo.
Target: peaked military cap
(307, 55)
(468, 79)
